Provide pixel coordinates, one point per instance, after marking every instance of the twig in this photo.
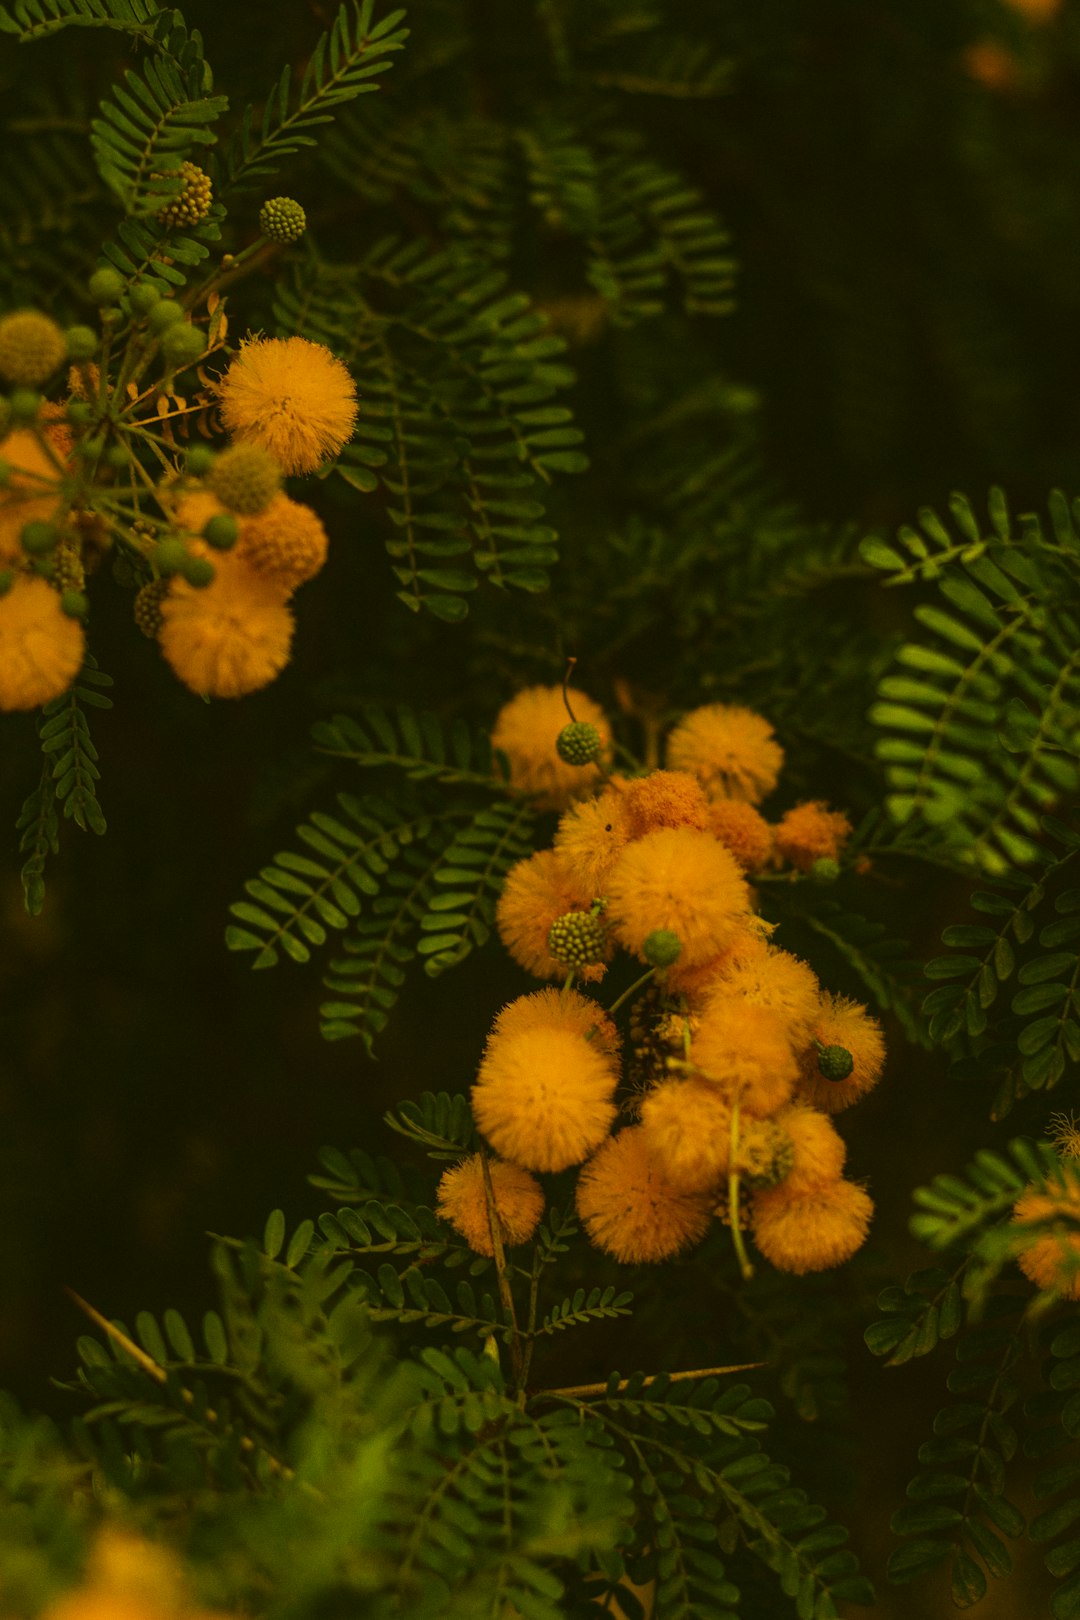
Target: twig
(583, 1391)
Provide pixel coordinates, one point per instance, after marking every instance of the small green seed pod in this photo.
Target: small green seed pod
(74, 604)
(182, 346)
(662, 948)
(82, 343)
(38, 539)
(105, 285)
(282, 220)
(579, 743)
(221, 531)
(835, 1063)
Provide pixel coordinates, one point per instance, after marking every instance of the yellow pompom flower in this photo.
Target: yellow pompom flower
(680, 880)
(778, 982)
(810, 1231)
(839, 1021)
(743, 1050)
(1053, 1261)
(227, 638)
(664, 799)
(123, 1562)
(41, 649)
(100, 1603)
(194, 512)
(543, 1096)
(731, 751)
(559, 1009)
(590, 838)
(286, 543)
(292, 397)
(811, 832)
(630, 1209)
(462, 1201)
(687, 1127)
(696, 983)
(818, 1149)
(526, 730)
(535, 892)
(31, 347)
(743, 830)
(31, 494)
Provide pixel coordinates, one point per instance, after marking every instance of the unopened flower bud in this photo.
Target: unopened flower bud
(579, 743)
(662, 948)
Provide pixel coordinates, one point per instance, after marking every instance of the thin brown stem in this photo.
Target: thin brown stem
(506, 1296)
(581, 1392)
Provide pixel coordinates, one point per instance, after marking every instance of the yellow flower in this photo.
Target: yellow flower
(194, 512)
(1052, 1261)
(687, 1128)
(31, 494)
(1036, 11)
(31, 347)
(811, 832)
(840, 1021)
(127, 1564)
(778, 982)
(590, 837)
(991, 64)
(535, 892)
(543, 1096)
(629, 1207)
(664, 799)
(292, 397)
(560, 1009)
(41, 649)
(1064, 1131)
(819, 1151)
(526, 729)
(743, 830)
(743, 1049)
(731, 751)
(518, 1198)
(810, 1231)
(229, 637)
(285, 543)
(100, 1603)
(681, 880)
(695, 983)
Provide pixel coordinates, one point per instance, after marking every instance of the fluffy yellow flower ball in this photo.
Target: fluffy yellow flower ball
(526, 730)
(543, 1096)
(462, 1201)
(842, 1022)
(535, 892)
(778, 982)
(1052, 1261)
(811, 832)
(227, 638)
(590, 838)
(687, 1127)
(743, 830)
(41, 649)
(744, 1050)
(286, 543)
(664, 799)
(697, 983)
(810, 1231)
(629, 1207)
(31, 347)
(292, 397)
(559, 1009)
(31, 494)
(818, 1149)
(731, 751)
(681, 880)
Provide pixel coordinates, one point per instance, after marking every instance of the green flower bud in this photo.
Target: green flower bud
(221, 531)
(79, 412)
(197, 571)
(579, 743)
(105, 285)
(170, 556)
(165, 313)
(191, 203)
(662, 948)
(200, 459)
(148, 615)
(74, 604)
(282, 220)
(245, 478)
(576, 939)
(835, 1063)
(38, 538)
(90, 449)
(82, 343)
(118, 456)
(182, 346)
(143, 297)
(24, 405)
(825, 870)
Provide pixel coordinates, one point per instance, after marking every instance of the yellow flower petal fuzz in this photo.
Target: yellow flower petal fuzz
(731, 751)
(687, 1127)
(812, 1231)
(779, 982)
(543, 1096)
(560, 1009)
(1064, 1131)
(535, 892)
(31, 494)
(590, 838)
(31, 347)
(41, 649)
(819, 1149)
(842, 1022)
(230, 637)
(743, 830)
(629, 1207)
(462, 1201)
(126, 1563)
(526, 729)
(744, 1051)
(292, 397)
(696, 983)
(1052, 1261)
(1036, 11)
(285, 542)
(678, 879)
(100, 1603)
(811, 832)
(664, 799)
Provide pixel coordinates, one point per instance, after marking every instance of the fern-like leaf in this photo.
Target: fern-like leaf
(148, 125)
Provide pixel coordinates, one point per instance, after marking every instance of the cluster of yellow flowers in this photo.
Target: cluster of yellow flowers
(1053, 1261)
(219, 546)
(128, 1578)
(740, 1056)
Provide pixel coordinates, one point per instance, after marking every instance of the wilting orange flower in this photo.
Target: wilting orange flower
(41, 649)
(535, 892)
(589, 839)
(842, 1022)
(743, 1049)
(543, 1096)
(818, 1149)
(1052, 1261)
(811, 832)
(526, 730)
(31, 494)
(687, 1128)
(629, 1207)
(681, 880)
(664, 799)
(779, 982)
(518, 1199)
(559, 1009)
(731, 751)
(810, 1231)
(229, 637)
(292, 397)
(743, 830)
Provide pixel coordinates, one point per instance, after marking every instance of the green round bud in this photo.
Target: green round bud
(31, 347)
(165, 313)
(200, 459)
(38, 538)
(662, 948)
(44, 566)
(579, 743)
(118, 456)
(147, 606)
(24, 405)
(111, 315)
(221, 531)
(182, 346)
(835, 1063)
(82, 343)
(825, 870)
(79, 412)
(245, 478)
(576, 939)
(197, 571)
(74, 604)
(105, 285)
(282, 220)
(170, 556)
(90, 449)
(143, 297)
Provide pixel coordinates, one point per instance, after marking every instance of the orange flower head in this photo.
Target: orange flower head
(731, 751)
(991, 64)
(229, 637)
(743, 830)
(842, 1022)
(590, 838)
(1036, 11)
(811, 832)
(526, 730)
(1053, 1261)
(687, 1129)
(31, 494)
(779, 982)
(193, 513)
(41, 649)
(535, 892)
(285, 543)
(560, 1009)
(543, 1096)
(462, 1201)
(696, 983)
(124, 1563)
(679, 880)
(292, 397)
(818, 1149)
(630, 1209)
(101, 1603)
(811, 1231)
(664, 799)
(743, 1050)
